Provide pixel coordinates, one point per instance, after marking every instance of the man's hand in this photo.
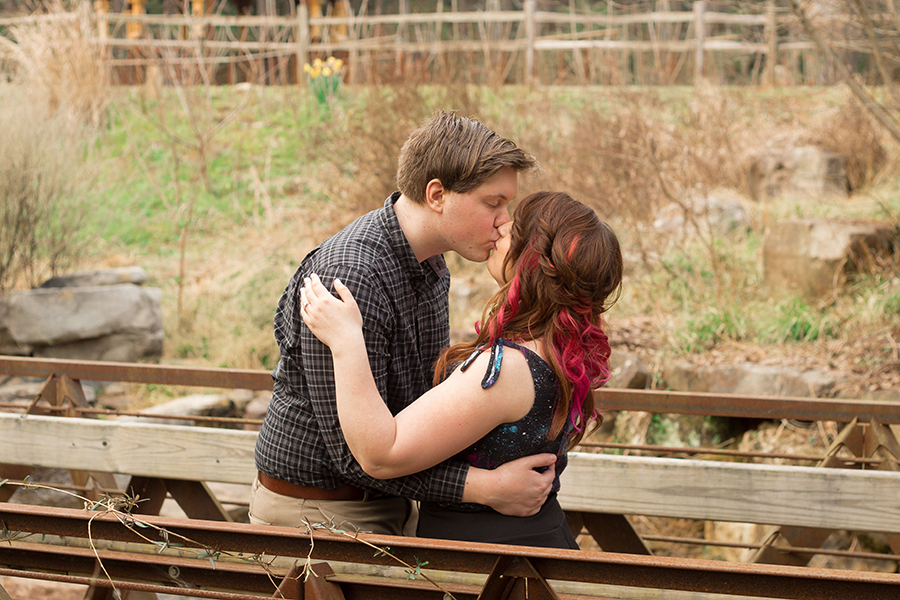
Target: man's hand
(514, 488)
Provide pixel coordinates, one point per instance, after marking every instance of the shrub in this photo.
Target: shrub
(41, 213)
(55, 57)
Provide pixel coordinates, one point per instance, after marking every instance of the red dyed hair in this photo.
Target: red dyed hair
(566, 271)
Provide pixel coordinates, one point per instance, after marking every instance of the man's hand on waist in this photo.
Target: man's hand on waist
(515, 488)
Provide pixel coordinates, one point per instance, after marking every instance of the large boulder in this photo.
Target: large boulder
(805, 171)
(627, 370)
(120, 323)
(710, 215)
(749, 379)
(812, 256)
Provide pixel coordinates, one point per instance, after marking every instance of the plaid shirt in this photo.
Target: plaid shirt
(406, 324)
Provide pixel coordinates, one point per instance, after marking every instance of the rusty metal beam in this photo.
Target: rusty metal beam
(755, 407)
(139, 567)
(245, 379)
(702, 576)
(128, 585)
(724, 405)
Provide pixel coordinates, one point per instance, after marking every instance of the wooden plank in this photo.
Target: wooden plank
(144, 449)
(681, 46)
(744, 493)
(269, 21)
(693, 489)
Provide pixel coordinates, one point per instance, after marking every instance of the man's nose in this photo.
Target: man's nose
(503, 218)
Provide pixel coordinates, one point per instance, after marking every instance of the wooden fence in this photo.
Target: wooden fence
(494, 47)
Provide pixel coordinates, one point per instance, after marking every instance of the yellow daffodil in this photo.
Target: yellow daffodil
(326, 71)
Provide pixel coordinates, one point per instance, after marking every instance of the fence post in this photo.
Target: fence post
(301, 37)
(700, 29)
(102, 9)
(530, 35)
(772, 38)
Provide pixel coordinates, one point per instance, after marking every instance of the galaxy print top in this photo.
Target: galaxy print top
(526, 436)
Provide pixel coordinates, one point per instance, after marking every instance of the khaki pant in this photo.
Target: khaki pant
(386, 516)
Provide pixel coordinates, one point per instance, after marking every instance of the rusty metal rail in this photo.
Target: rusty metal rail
(699, 576)
(688, 403)
(241, 379)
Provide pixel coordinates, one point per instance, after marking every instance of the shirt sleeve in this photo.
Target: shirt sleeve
(442, 483)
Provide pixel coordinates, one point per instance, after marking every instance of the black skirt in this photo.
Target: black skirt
(546, 529)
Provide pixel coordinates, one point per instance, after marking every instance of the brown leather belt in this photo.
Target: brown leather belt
(286, 488)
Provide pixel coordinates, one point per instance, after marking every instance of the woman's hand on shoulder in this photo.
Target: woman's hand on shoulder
(331, 320)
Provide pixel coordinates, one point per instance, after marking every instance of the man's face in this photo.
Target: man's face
(472, 220)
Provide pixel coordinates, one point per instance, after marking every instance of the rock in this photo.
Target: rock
(23, 391)
(813, 255)
(20, 391)
(8, 344)
(204, 405)
(748, 379)
(743, 533)
(627, 371)
(114, 322)
(256, 409)
(707, 215)
(118, 347)
(807, 171)
(889, 395)
(135, 275)
(34, 589)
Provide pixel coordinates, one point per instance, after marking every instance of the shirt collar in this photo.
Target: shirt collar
(434, 266)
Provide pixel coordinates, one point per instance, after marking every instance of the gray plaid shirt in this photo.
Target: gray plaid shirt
(406, 324)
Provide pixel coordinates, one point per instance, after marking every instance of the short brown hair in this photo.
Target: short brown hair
(459, 152)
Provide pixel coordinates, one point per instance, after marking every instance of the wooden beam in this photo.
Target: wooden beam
(738, 492)
(599, 483)
(144, 449)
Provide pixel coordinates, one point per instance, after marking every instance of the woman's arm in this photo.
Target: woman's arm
(442, 422)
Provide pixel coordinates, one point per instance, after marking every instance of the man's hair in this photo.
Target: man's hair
(458, 151)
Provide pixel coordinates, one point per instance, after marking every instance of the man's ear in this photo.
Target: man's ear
(434, 195)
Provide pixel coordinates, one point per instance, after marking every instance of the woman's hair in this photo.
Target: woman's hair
(565, 270)
(459, 152)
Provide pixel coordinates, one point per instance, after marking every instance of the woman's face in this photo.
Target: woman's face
(501, 248)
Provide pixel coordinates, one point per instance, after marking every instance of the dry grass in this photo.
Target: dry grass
(55, 59)
(41, 180)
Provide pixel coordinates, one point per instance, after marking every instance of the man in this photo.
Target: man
(456, 179)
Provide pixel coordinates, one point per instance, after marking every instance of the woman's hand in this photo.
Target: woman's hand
(334, 322)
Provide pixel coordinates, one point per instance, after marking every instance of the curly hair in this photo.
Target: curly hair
(564, 269)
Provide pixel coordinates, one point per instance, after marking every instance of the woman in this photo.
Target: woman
(559, 268)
